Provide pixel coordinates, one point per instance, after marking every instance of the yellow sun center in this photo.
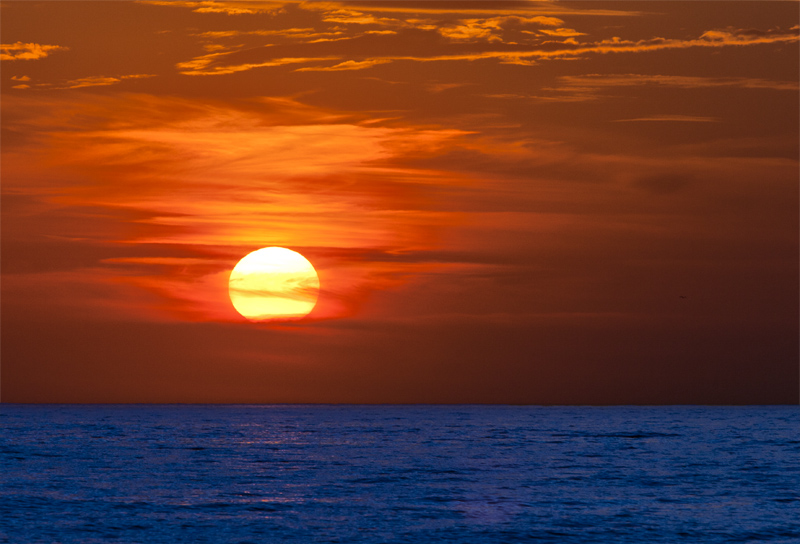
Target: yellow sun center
(273, 283)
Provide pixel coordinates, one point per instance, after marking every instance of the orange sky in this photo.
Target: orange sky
(529, 202)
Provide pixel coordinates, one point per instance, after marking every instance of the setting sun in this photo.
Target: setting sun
(273, 283)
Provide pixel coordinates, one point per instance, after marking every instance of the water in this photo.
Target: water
(399, 474)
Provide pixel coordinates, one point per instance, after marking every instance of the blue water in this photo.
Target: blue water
(399, 474)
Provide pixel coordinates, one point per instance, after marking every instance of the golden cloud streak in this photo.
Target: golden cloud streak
(348, 65)
(27, 51)
(711, 39)
(199, 68)
(543, 9)
(228, 8)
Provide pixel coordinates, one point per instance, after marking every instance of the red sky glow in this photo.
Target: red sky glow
(506, 202)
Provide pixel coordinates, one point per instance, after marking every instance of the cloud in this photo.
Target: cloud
(91, 81)
(564, 32)
(468, 32)
(439, 87)
(27, 51)
(710, 38)
(224, 9)
(464, 29)
(297, 33)
(224, 180)
(596, 81)
(101, 80)
(583, 96)
(732, 35)
(491, 28)
(198, 63)
(543, 10)
(20, 78)
(673, 118)
(347, 65)
(97, 81)
(519, 61)
(352, 17)
(301, 35)
(228, 8)
(546, 21)
(199, 67)
(707, 39)
(530, 57)
(616, 45)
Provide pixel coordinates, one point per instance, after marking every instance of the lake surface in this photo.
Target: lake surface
(398, 474)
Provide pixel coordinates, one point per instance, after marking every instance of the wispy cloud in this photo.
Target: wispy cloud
(562, 32)
(591, 82)
(491, 29)
(439, 87)
(539, 9)
(672, 118)
(589, 87)
(27, 51)
(716, 39)
(583, 96)
(199, 63)
(535, 33)
(95, 81)
(710, 39)
(228, 8)
(23, 79)
(199, 68)
(90, 81)
(347, 65)
(353, 17)
(297, 33)
(214, 181)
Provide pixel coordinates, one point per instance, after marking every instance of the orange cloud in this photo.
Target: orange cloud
(229, 8)
(542, 10)
(469, 31)
(490, 29)
(595, 81)
(297, 33)
(94, 81)
(347, 65)
(27, 51)
(564, 32)
(199, 66)
(198, 63)
(349, 16)
(463, 30)
(91, 81)
(615, 45)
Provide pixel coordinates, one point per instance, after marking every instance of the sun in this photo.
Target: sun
(273, 283)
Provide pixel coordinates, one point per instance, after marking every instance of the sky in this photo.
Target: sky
(527, 202)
